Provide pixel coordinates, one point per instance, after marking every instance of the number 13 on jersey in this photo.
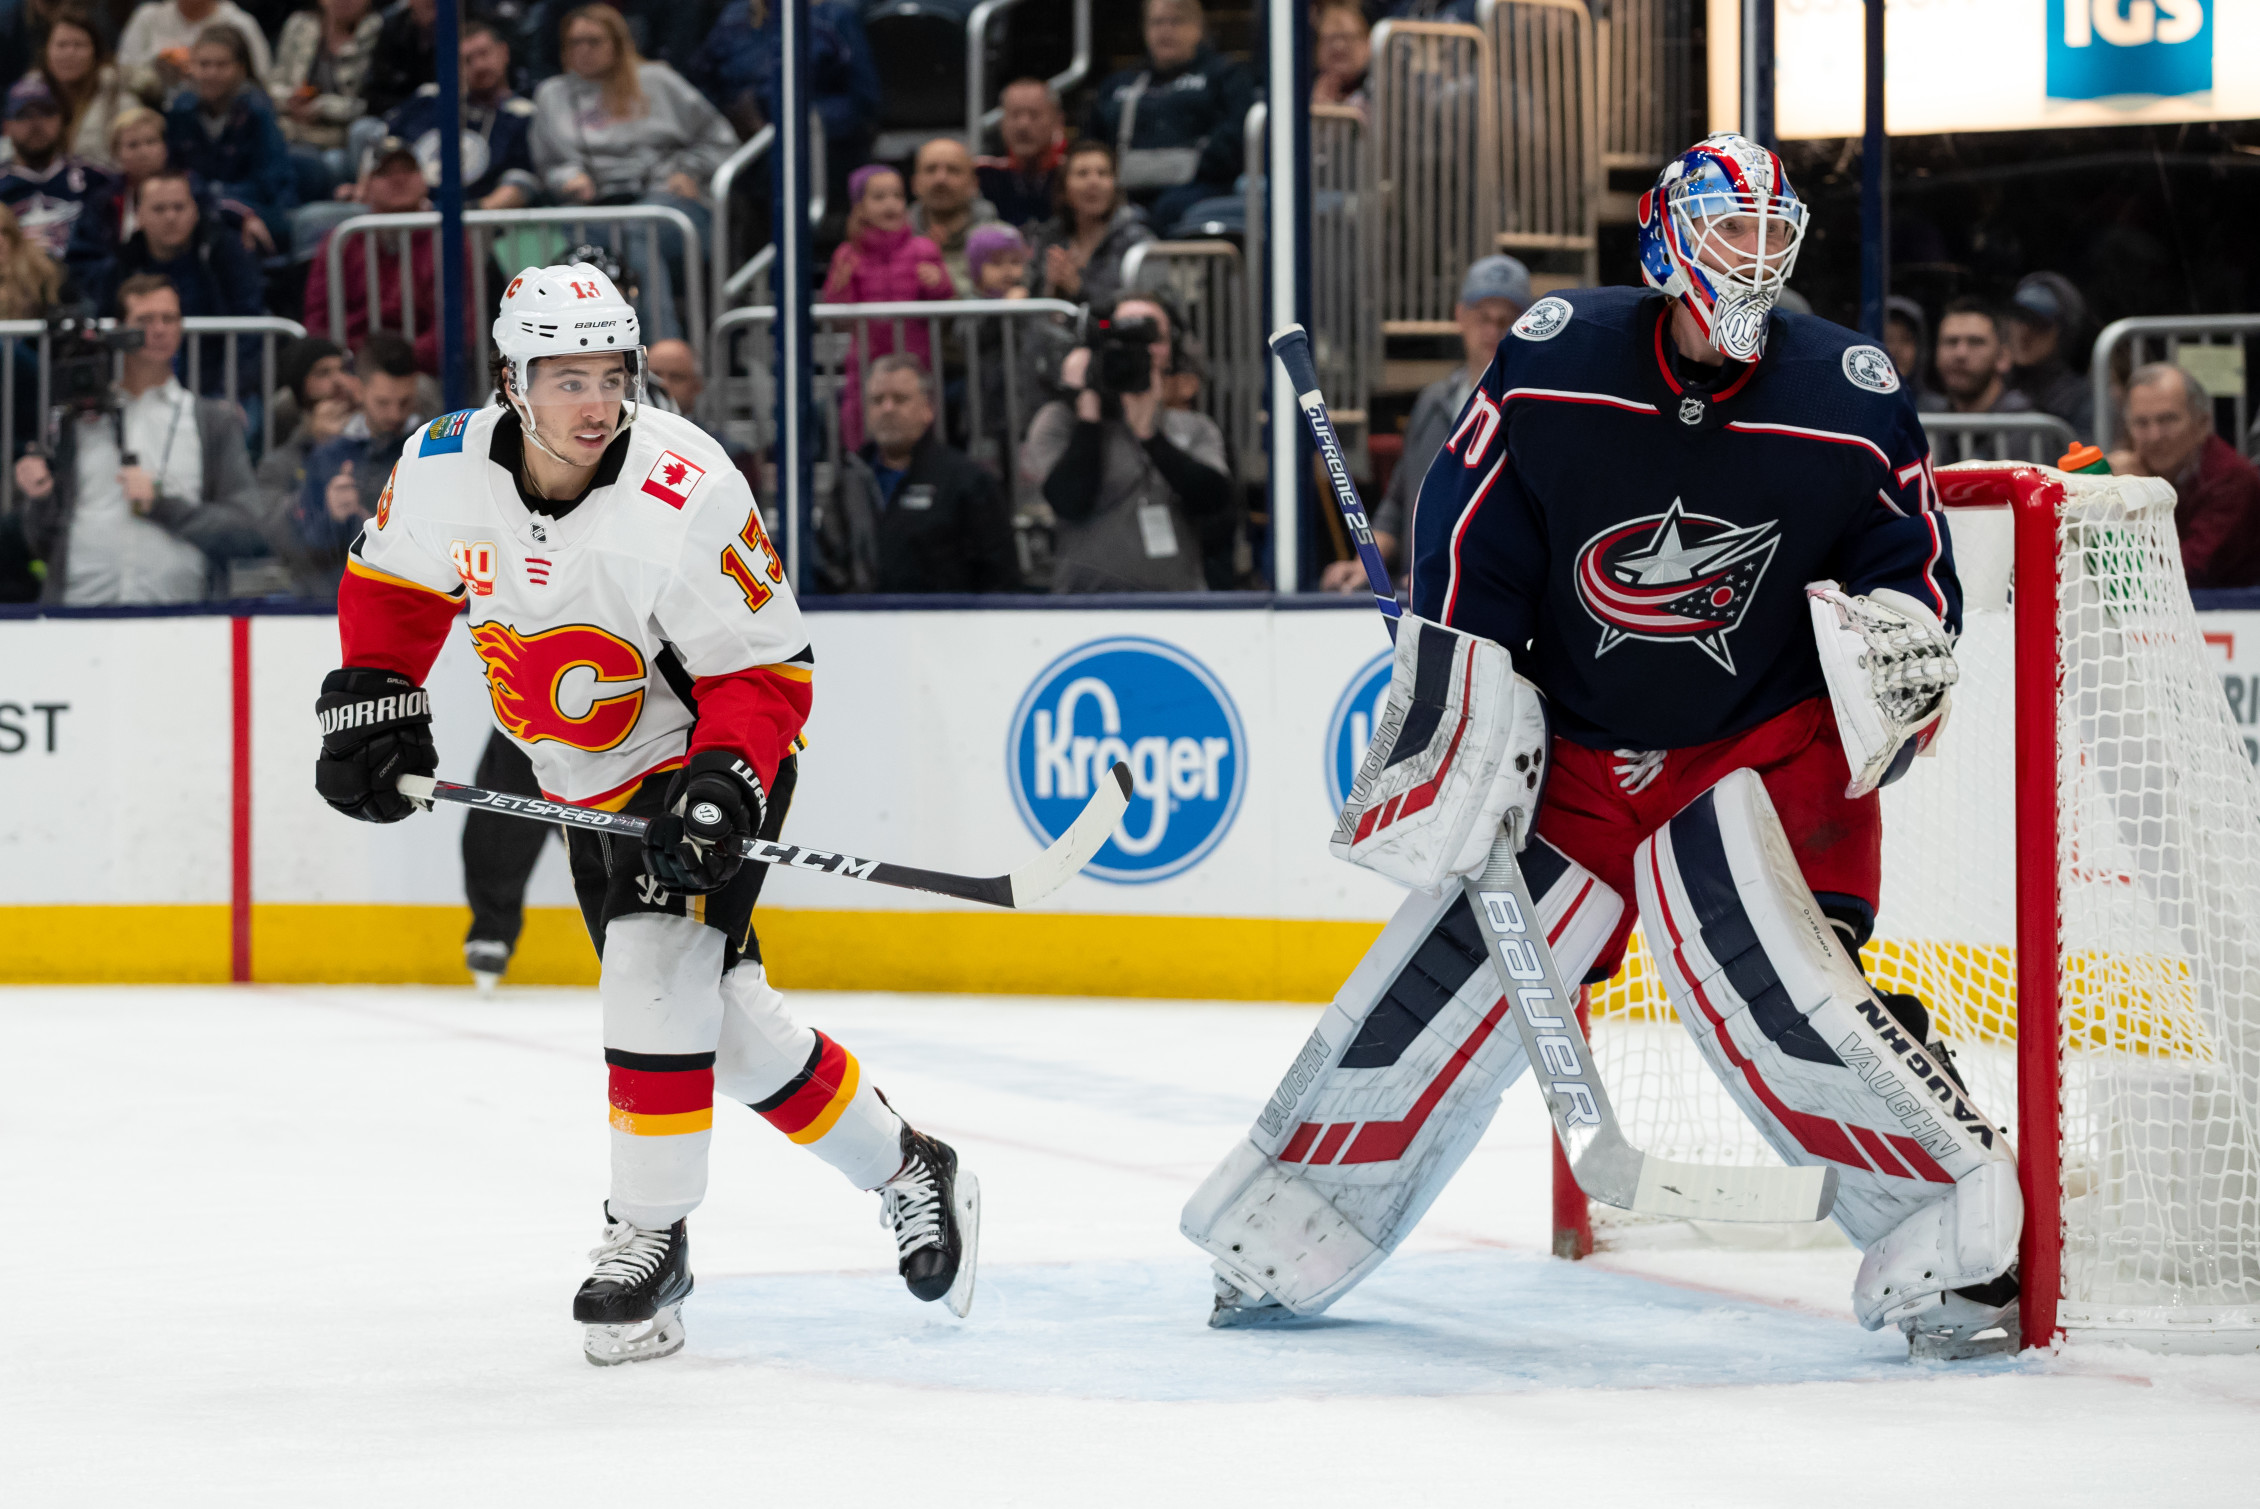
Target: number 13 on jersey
(735, 568)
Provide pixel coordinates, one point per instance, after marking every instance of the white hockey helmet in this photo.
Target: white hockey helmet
(566, 311)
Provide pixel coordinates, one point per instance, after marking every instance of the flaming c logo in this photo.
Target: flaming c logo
(526, 672)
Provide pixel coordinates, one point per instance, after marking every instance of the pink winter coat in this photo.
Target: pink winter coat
(881, 267)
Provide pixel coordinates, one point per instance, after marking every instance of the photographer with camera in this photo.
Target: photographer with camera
(1139, 489)
(150, 488)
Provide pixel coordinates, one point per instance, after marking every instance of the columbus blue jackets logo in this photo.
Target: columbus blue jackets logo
(1674, 578)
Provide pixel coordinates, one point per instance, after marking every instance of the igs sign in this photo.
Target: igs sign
(2100, 48)
(1157, 710)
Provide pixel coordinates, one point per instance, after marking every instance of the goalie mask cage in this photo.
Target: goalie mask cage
(2071, 883)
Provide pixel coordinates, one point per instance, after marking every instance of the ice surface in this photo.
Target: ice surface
(316, 1246)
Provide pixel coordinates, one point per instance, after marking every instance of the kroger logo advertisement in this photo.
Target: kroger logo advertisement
(1350, 729)
(1154, 708)
(2099, 48)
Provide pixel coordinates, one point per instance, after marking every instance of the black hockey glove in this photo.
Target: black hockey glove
(376, 728)
(713, 802)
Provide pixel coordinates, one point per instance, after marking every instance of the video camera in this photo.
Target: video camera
(83, 359)
(1122, 358)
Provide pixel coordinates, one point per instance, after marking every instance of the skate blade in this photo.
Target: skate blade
(968, 1212)
(639, 1341)
(1228, 1317)
(2003, 1336)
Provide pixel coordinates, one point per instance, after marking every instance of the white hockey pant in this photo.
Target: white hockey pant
(1388, 1096)
(677, 1031)
(1784, 1018)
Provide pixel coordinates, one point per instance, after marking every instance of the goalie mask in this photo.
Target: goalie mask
(552, 314)
(1719, 232)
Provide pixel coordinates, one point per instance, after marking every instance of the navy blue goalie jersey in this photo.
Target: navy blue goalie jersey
(1638, 531)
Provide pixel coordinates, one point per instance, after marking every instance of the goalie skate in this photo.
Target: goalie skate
(1238, 1305)
(934, 1211)
(632, 1300)
(1980, 1321)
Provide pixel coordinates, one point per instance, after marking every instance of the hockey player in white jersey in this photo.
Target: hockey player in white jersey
(642, 646)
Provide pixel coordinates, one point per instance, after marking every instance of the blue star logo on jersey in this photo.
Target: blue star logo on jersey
(1674, 578)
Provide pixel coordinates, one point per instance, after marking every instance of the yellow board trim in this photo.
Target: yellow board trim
(835, 1108)
(1003, 953)
(662, 1124)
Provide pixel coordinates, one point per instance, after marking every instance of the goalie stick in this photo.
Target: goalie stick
(1024, 887)
(1608, 1168)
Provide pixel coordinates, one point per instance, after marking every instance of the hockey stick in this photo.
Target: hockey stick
(1024, 887)
(1608, 1168)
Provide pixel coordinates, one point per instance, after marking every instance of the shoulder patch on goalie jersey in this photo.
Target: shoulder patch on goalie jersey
(1868, 367)
(1545, 319)
(673, 479)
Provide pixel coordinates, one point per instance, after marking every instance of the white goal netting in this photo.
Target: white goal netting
(2157, 865)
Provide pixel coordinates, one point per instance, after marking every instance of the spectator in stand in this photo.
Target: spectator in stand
(345, 476)
(1139, 489)
(31, 284)
(137, 143)
(406, 56)
(1343, 51)
(882, 261)
(668, 31)
(1493, 295)
(1175, 121)
(2048, 320)
(46, 188)
(394, 185)
(738, 70)
(949, 204)
(320, 395)
(493, 113)
(1024, 183)
(998, 258)
(615, 129)
(223, 129)
(911, 514)
(1079, 251)
(1906, 340)
(321, 64)
(76, 62)
(155, 531)
(2217, 508)
(23, 33)
(1973, 374)
(206, 266)
(154, 51)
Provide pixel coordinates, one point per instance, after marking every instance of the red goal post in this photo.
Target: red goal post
(2073, 887)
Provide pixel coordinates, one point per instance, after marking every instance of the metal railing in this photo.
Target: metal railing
(1997, 437)
(1342, 333)
(980, 115)
(1434, 140)
(2169, 334)
(726, 283)
(480, 228)
(1204, 278)
(750, 408)
(1647, 80)
(1549, 148)
(15, 334)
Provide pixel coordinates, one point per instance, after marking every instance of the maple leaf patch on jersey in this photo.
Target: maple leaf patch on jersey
(672, 479)
(1674, 578)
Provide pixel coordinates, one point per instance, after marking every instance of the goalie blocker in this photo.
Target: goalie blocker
(1389, 1095)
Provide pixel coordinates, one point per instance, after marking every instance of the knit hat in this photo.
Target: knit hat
(986, 241)
(296, 362)
(862, 176)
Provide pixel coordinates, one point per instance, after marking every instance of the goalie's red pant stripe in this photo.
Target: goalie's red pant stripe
(1386, 1141)
(1818, 1135)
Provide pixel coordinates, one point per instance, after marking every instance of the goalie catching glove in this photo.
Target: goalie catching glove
(713, 802)
(1459, 749)
(1890, 666)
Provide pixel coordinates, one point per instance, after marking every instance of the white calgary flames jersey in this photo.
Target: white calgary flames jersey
(592, 627)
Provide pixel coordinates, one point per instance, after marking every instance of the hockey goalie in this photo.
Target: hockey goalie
(1682, 600)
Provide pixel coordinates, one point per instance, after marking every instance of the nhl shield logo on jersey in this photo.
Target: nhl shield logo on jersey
(1868, 367)
(1674, 578)
(539, 693)
(1545, 319)
(672, 479)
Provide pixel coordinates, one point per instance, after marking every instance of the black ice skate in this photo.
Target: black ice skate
(632, 1301)
(486, 958)
(935, 1214)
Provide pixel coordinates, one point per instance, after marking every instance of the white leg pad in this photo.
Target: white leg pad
(1784, 1018)
(1388, 1096)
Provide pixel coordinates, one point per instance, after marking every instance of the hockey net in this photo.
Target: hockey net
(2138, 1129)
